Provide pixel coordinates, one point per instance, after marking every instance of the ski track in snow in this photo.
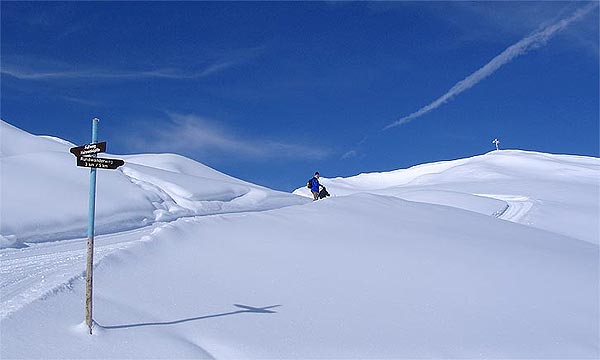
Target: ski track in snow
(32, 273)
(517, 206)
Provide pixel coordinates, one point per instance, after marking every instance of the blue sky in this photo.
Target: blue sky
(270, 92)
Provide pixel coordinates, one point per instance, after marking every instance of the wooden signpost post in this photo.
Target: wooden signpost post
(86, 157)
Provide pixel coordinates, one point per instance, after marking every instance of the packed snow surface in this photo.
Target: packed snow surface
(494, 256)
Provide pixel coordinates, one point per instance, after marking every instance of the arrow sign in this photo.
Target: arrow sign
(101, 163)
(89, 149)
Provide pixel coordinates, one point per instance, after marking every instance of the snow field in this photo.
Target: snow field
(494, 256)
(441, 283)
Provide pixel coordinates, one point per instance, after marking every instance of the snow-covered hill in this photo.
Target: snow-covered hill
(559, 193)
(44, 195)
(414, 263)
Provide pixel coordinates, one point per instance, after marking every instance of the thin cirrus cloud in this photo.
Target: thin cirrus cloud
(204, 137)
(27, 68)
(532, 41)
(101, 74)
(349, 155)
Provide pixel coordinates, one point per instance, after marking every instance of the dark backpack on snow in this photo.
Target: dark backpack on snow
(309, 183)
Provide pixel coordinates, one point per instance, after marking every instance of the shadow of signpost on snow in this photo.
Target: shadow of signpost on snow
(246, 309)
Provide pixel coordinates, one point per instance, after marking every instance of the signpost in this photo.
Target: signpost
(86, 157)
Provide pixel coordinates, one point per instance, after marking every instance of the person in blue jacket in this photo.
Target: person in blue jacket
(315, 186)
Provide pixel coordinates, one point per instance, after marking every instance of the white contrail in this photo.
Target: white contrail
(533, 41)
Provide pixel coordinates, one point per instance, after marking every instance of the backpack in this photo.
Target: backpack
(309, 183)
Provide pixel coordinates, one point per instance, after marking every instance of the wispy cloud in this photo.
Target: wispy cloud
(103, 74)
(199, 135)
(34, 69)
(533, 41)
(80, 101)
(349, 154)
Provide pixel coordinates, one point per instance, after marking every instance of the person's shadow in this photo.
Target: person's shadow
(246, 309)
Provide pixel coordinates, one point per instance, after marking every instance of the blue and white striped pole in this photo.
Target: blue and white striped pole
(90, 242)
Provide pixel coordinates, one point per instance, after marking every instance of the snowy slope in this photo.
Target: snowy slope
(44, 195)
(559, 193)
(415, 263)
(363, 276)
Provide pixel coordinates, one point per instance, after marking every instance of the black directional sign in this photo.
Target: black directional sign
(86, 156)
(101, 163)
(89, 149)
